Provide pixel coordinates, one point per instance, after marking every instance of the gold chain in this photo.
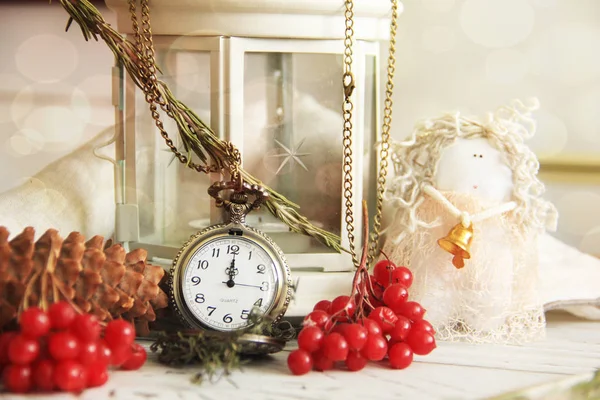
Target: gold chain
(347, 107)
(145, 50)
(348, 82)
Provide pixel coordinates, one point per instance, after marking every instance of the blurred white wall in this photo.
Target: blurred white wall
(55, 88)
(474, 55)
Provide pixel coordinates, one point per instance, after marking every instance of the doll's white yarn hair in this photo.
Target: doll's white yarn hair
(415, 162)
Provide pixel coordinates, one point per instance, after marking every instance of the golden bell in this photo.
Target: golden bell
(458, 243)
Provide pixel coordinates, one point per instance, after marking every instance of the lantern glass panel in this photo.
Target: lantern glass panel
(172, 198)
(293, 139)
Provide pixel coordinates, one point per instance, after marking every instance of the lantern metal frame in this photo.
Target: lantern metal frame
(227, 61)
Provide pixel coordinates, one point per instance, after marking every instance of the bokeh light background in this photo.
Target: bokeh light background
(468, 55)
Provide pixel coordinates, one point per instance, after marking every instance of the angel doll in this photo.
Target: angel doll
(467, 212)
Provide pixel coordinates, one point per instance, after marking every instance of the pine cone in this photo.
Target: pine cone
(104, 281)
(149, 296)
(16, 264)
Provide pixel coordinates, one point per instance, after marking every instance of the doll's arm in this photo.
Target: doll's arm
(465, 217)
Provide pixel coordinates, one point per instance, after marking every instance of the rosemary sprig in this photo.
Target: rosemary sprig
(196, 136)
(215, 353)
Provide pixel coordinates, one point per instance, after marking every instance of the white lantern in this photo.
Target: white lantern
(266, 75)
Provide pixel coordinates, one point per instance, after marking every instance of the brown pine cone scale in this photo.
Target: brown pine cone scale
(96, 277)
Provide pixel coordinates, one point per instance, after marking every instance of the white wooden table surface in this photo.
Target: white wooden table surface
(452, 371)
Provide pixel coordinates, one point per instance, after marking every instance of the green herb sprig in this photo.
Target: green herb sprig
(215, 353)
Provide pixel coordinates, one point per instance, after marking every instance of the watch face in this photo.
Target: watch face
(225, 278)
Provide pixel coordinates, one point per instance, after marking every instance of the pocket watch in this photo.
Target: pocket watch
(227, 272)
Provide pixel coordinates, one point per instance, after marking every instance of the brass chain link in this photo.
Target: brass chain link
(145, 49)
(347, 108)
(349, 84)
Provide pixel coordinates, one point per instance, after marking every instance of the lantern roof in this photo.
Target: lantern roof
(307, 19)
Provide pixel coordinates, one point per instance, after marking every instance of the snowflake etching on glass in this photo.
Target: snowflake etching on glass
(290, 155)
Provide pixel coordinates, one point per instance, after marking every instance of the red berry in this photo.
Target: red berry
(355, 361)
(372, 326)
(375, 283)
(321, 362)
(391, 342)
(395, 295)
(104, 353)
(70, 376)
(23, 350)
(43, 375)
(403, 276)
(421, 342)
(17, 378)
(63, 346)
(119, 333)
(136, 359)
(97, 375)
(44, 353)
(340, 328)
(335, 347)
(119, 355)
(316, 318)
(323, 305)
(411, 310)
(383, 271)
(88, 353)
(86, 327)
(343, 305)
(400, 355)
(425, 325)
(310, 338)
(401, 329)
(299, 362)
(34, 322)
(375, 349)
(385, 317)
(356, 336)
(5, 339)
(62, 315)
(376, 298)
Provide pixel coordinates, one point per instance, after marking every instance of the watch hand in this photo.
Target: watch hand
(230, 283)
(243, 284)
(231, 271)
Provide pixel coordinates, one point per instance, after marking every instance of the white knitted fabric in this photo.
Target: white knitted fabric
(74, 193)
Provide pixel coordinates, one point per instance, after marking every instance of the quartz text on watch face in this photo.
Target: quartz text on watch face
(225, 279)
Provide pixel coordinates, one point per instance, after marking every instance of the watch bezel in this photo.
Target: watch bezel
(283, 292)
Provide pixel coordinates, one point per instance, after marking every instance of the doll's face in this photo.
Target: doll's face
(474, 167)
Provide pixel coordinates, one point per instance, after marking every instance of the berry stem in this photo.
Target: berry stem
(362, 271)
(361, 282)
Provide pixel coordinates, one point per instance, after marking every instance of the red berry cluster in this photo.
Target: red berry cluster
(63, 350)
(376, 322)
